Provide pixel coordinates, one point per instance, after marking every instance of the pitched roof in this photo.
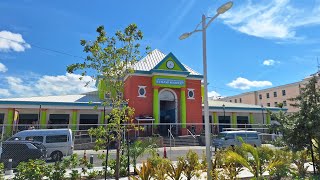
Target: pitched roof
(152, 59)
(79, 98)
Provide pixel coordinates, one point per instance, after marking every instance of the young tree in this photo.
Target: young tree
(110, 59)
(301, 129)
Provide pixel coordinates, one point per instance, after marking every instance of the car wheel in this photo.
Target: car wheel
(56, 156)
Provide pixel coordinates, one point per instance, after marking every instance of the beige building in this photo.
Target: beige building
(271, 97)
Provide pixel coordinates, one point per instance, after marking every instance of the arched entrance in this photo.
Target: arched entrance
(168, 104)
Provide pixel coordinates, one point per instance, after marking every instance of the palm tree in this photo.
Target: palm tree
(140, 147)
(251, 158)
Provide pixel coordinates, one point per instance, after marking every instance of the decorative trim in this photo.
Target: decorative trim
(171, 57)
(139, 72)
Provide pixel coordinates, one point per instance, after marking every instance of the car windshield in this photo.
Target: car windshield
(221, 136)
(38, 145)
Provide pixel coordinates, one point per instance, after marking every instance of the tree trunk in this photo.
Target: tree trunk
(117, 170)
(312, 155)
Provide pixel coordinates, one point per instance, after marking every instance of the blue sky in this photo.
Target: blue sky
(255, 45)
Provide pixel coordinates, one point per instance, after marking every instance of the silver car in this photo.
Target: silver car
(59, 142)
(231, 138)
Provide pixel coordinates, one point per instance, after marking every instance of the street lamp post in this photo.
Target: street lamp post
(222, 9)
(224, 112)
(262, 114)
(262, 118)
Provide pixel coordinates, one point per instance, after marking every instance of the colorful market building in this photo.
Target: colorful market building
(162, 90)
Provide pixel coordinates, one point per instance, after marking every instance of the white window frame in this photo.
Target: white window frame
(145, 91)
(192, 92)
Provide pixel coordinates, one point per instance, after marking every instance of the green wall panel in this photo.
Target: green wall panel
(74, 120)
(215, 118)
(268, 118)
(183, 108)
(251, 119)
(156, 106)
(234, 120)
(43, 120)
(102, 118)
(9, 122)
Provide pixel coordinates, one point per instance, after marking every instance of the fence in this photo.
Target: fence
(172, 139)
(83, 140)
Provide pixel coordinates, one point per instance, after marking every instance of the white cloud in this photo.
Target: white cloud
(274, 19)
(243, 83)
(47, 85)
(4, 93)
(3, 68)
(64, 84)
(12, 42)
(270, 62)
(19, 87)
(214, 95)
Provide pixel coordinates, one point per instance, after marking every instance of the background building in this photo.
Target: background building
(271, 97)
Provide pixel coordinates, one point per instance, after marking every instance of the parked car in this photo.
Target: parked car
(231, 138)
(58, 142)
(20, 151)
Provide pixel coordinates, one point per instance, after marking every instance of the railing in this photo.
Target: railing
(174, 142)
(194, 136)
(171, 137)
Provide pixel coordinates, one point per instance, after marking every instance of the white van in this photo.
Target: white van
(58, 142)
(231, 138)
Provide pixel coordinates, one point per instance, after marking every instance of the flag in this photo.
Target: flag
(15, 120)
(16, 116)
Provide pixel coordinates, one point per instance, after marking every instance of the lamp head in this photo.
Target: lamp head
(222, 9)
(184, 36)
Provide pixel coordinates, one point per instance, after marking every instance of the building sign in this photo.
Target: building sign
(168, 81)
(175, 82)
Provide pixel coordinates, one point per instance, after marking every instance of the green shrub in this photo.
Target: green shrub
(279, 165)
(175, 172)
(145, 172)
(123, 165)
(191, 165)
(1, 171)
(299, 159)
(33, 169)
